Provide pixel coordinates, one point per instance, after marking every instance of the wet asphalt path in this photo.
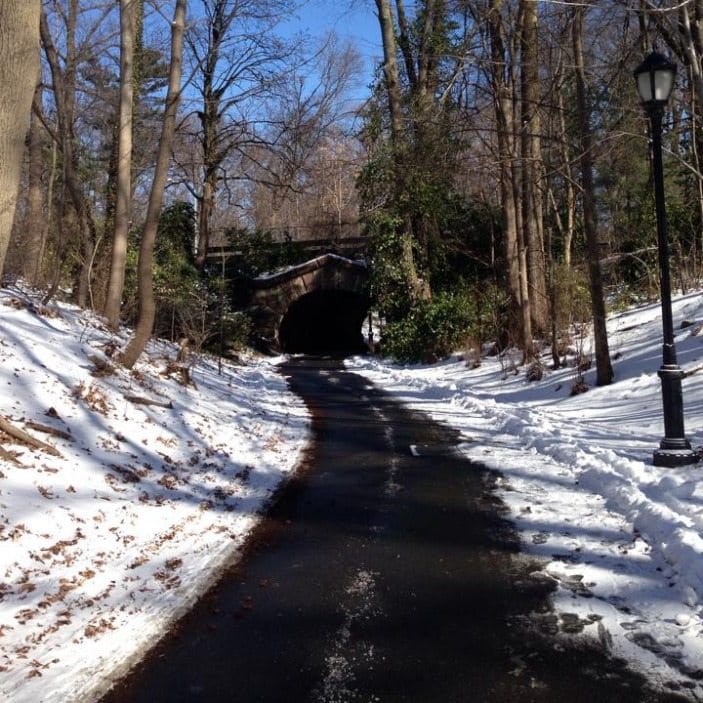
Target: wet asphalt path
(380, 574)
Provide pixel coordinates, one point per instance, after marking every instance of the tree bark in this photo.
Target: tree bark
(128, 24)
(210, 117)
(206, 207)
(390, 71)
(682, 34)
(504, 112)
(35, 228)
(531, 202)
(570, 196)
(64, 96)
(19, 69)
(682, 30)
(392, 78)
(147, 303)
(23, 436)
(405, 43)
(604, 369)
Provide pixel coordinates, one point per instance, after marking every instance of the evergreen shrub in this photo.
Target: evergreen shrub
(433, 329)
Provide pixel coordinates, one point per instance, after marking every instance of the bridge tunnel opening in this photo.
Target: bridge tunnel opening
(325, 322)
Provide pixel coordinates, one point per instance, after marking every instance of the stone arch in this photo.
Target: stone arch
(331, 288)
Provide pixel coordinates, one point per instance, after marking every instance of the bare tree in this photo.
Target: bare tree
(145, 281)
(263, 132)
(532, 167)
(503, 84)
(236, 59)
(335, 169)
(565, 222)
(604, 369)
(19, 68)
(681, 26)
(76, 211)
(129, 10)
(308, 107)
(323, 201)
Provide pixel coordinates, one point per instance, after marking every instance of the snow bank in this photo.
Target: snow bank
(106, 543)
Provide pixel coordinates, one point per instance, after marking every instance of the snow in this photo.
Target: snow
(285, 273)
(621, 538)
(106, 544)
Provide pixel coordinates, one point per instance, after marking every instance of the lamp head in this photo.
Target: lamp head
(655, 79)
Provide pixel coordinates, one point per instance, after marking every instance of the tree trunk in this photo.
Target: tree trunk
(19, 69)
(503, 105)
(604, 369)
(568, 232)
(207, 206)
(35, 228)
(64, 96)
(392, 77)
(390, 71)
(531, 201)
(209, 118)
(84, 220)
(147, 304)
(128, 23)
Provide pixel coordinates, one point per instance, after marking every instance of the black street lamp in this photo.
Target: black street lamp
(655, 81)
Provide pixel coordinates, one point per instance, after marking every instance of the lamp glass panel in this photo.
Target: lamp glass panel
(644, 86)
(663, 84)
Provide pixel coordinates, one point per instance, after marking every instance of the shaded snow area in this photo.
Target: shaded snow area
(621, 539)
(106, 540)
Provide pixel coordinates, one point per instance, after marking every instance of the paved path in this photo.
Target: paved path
(382, 574)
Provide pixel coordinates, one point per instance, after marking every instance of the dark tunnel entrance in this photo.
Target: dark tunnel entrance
(325, 322)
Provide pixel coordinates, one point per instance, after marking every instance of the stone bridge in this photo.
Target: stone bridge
(316, 307)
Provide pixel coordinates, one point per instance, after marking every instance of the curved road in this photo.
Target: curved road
(380, 574)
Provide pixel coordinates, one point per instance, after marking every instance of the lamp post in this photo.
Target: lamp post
(655, 81)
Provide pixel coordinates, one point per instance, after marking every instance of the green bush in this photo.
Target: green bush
(433, 329)
(176, 278)
(390, 287)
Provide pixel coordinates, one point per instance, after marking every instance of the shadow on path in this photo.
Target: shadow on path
(378, 575)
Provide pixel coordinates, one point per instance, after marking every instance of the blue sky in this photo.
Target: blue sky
(354, 19)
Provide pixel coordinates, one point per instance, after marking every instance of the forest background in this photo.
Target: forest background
(499, 165)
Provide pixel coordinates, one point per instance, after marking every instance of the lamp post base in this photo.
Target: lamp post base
(672, 458)
(675, 449)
